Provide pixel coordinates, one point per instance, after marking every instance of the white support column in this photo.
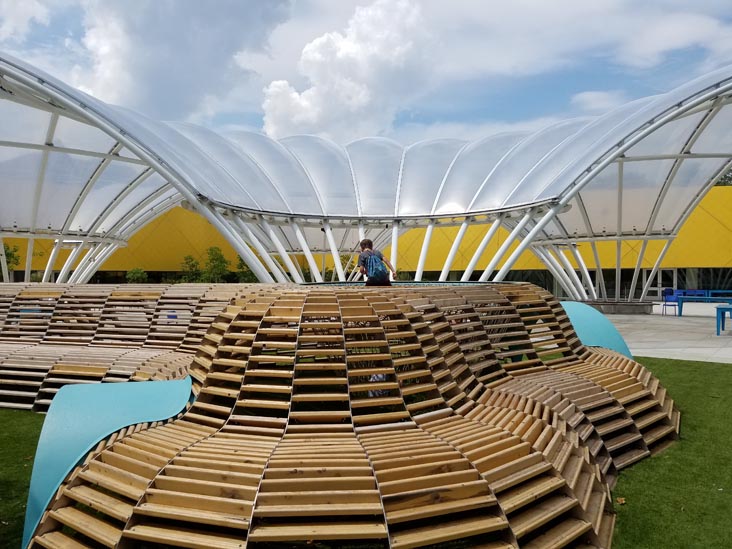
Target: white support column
(96, 265)
(637, 270)
(618, 257)
(86, 262)
(62, 276)
(526, 242)
(577, 283)
(361, 232)
(294, 273)
(490, 233)
(423, 252)
(559, 271)
(618, 249)
(394, 245)
(656, 265)
(51, 260)
(334, 252)
(506, 245)
(261, 250)
(28, 259)
(314, 271)
(4, 262)
(583, 269)
(453, 251)
(554, 268)
(598, 271)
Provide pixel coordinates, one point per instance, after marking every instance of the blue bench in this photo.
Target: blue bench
(722, 310)
(700, 299)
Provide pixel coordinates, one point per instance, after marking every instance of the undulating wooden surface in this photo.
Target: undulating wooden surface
(411, 416)
(52, 335)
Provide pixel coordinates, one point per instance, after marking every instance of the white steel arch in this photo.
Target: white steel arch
(578, 180)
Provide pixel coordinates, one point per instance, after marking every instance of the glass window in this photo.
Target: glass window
(111, 182)
(18, 177)
(131, 201)
(23, 124)
(66, 176)
(75, 135)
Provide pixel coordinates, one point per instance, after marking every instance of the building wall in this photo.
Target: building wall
(704, 241)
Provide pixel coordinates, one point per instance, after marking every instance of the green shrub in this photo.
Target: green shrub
(136, 276)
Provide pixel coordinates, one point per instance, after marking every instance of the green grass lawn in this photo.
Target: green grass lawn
(681, 498)
(19, 432)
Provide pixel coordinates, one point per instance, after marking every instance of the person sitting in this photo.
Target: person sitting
(373, 264)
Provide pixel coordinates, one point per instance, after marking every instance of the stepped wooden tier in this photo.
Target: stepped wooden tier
(337, 416)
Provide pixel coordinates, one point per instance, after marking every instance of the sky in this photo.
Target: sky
(344, 69)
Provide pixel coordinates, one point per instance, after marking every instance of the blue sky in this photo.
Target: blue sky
(405, 69)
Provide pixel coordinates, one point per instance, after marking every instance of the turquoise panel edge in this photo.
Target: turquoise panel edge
(82, 415)
(594, 329)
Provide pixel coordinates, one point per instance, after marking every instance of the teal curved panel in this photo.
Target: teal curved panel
(594, 329)
(82, 415)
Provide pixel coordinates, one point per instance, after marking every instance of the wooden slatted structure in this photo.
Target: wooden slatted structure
(54, 335)
(435, 416)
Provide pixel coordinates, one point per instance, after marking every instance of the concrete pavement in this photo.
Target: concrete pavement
(690, 337)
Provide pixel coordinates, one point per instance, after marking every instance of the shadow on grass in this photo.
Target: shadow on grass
(682, 497)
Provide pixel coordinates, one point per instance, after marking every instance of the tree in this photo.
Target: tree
(217, 266)
(244, 273)
(136, 276)
(191, 269)
(12, 257)
(726, 179)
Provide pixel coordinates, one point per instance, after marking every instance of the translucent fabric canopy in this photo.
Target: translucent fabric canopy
(89, 175)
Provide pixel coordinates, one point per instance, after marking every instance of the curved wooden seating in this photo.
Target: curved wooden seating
(399, 417)
(52, 335)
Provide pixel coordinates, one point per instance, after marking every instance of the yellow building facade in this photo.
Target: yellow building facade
(705, 241)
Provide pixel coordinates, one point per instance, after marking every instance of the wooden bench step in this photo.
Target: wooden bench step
(538, 515)
(641, 406)
(58, 540)
(532, 490)
(447, 531)
(341, 530)
(561, 535)
(440, 508)
(184, 537)
(189, 514)
(100, 501)
(630, 457)
(649, 419)
(321, 509)
(620, 441)
(98, 530)
(604, 413)
(614, 425)
(657, 433)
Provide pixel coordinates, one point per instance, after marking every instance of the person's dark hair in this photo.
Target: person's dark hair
(366, 243)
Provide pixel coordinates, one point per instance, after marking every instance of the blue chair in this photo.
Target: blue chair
(669, 300)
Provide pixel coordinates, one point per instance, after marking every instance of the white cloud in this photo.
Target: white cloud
(597, 102)
(17, 16)
(358, 79)
(352, 67)
(168, 58)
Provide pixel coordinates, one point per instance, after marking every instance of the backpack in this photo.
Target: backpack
(375, 268)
